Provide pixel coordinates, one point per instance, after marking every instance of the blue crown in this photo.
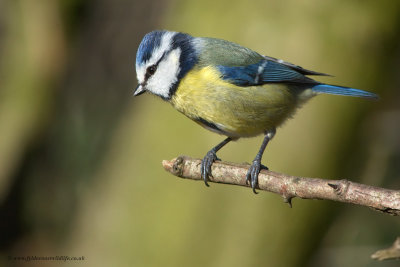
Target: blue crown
(149, 43)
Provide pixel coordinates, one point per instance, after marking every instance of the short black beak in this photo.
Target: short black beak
(139, 90)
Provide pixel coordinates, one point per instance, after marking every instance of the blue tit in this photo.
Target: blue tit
(227, 88)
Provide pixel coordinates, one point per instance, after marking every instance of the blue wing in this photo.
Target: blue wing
(271, 70)
(267, 71)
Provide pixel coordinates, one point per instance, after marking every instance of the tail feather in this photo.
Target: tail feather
(340, 90)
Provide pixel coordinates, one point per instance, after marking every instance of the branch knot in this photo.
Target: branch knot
(341, 187)
(177, 167)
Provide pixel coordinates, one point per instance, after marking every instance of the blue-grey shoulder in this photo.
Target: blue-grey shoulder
(221, 52)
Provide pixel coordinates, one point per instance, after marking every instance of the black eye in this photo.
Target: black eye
(150, 70)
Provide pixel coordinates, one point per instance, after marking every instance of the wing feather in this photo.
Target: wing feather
(245, 67)
(265, 71)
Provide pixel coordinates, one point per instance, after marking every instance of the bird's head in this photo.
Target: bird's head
(162, 60)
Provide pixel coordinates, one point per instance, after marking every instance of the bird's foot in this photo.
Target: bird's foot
(206, 164)
(252, 173)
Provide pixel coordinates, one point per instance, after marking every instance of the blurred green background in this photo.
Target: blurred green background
(80, 171)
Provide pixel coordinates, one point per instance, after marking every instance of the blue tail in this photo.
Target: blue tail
(340, 90)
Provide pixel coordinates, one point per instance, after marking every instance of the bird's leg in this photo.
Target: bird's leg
(254, 170)
(210, 158)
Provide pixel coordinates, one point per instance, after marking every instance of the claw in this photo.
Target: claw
(209, 159)
(206, 164)
(252, 174)
(254, 170)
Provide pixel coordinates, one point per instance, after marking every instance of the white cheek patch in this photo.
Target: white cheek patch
(166, 74)
(165, 45)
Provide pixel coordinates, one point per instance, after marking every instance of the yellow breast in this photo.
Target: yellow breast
(238, 111)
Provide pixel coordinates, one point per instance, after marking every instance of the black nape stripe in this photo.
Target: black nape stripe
(187, 60)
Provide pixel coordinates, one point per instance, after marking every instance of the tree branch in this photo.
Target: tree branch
(391, 253)
(379, 199)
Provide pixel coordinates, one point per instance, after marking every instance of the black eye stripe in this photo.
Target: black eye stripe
(150, 70)
(153, 68)
(161, 58)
